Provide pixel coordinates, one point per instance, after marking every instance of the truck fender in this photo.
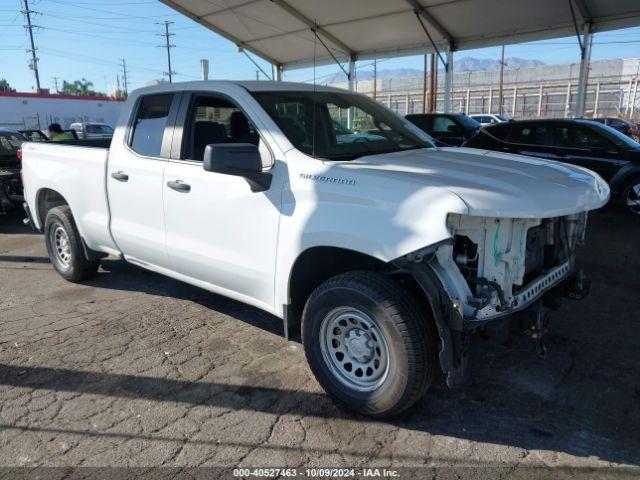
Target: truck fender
(454, 340)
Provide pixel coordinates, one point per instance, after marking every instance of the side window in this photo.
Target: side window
(150, 123)
(215, 120)
(422, 122)
(528, 134)
(574, 136)
(442, 124)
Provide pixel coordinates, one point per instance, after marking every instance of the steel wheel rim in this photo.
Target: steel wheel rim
(354, 349)
(60, 245)
(633, 198)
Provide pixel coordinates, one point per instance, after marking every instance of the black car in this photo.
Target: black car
(611, 154)
(11, 196)
(447, 129)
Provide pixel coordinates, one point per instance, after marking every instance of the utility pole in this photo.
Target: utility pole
(124, 76)
(424, 84)
(55, 83)
(168, 46)
(500, 94)
(34, 59)
(375, 78)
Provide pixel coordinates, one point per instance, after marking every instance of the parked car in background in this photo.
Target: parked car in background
(85, 130)
(623, 125)
(389, 251)
(611, 154)
(11, 194)
(34, 135)
(447, 129)
(485, 119)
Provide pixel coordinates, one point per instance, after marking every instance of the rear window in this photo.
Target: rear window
(102, 129)
(150, 123)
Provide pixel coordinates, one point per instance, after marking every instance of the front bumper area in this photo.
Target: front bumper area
(507, 266)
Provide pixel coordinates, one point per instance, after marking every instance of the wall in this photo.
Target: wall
(544, 91)
(30, 110)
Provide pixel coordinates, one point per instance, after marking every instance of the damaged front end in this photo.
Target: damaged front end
(491, 268)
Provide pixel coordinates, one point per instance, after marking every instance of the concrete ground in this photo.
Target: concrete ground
(133, 369)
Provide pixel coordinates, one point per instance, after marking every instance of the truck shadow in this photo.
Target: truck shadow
(120, 275)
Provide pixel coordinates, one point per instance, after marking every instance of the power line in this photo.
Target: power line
(34, 59)
(168, 46)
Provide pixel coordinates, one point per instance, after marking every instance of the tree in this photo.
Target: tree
(80, 87)
(120, 94)
(5, 87)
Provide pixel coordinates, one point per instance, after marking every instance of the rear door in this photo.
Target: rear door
(219, 232)
(531, 139)
(134, 179)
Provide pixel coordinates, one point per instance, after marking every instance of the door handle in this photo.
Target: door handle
(179, 186)
(120, 176)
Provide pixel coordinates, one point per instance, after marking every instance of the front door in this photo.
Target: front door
(218, 232)
(134, 180)
(585, 147)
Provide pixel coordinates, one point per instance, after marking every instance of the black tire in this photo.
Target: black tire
(630, 193)
(71, 263)
(407, 334)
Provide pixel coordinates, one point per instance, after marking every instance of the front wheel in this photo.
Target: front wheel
(368, 344)
(631, 195)
(64, 246)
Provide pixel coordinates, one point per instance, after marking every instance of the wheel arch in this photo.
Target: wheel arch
(46, 199)
(623, 175)
(317, 264)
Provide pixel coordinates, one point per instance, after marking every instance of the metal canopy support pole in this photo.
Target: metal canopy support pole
(276, 72)
(352, 73)
(448, 82)
(352, 83)
(585, 58)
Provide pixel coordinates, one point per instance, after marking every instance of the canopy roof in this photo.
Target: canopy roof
(280, 31)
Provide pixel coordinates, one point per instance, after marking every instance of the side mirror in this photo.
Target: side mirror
(453, 129)
(239, 159)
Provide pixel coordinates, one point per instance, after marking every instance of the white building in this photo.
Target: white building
(37, 110)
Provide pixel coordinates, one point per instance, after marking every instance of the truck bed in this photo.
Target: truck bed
(75, 170)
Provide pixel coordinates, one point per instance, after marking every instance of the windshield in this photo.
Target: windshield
(619, 139)
(10, 143)
(468, 123)
(342, 126)
(501, 118)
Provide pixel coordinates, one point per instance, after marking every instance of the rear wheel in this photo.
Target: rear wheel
(64, 246)
(368, 343)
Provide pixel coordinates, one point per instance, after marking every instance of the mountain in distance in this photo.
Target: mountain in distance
(470, 64)
(464, 64)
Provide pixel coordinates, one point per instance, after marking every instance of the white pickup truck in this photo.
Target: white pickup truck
(326, 209)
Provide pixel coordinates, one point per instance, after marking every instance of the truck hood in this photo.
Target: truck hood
(492, 183)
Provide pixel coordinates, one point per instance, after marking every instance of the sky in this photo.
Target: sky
(87, 38)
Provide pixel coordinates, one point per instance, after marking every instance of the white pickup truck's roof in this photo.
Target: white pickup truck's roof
(251, 85)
